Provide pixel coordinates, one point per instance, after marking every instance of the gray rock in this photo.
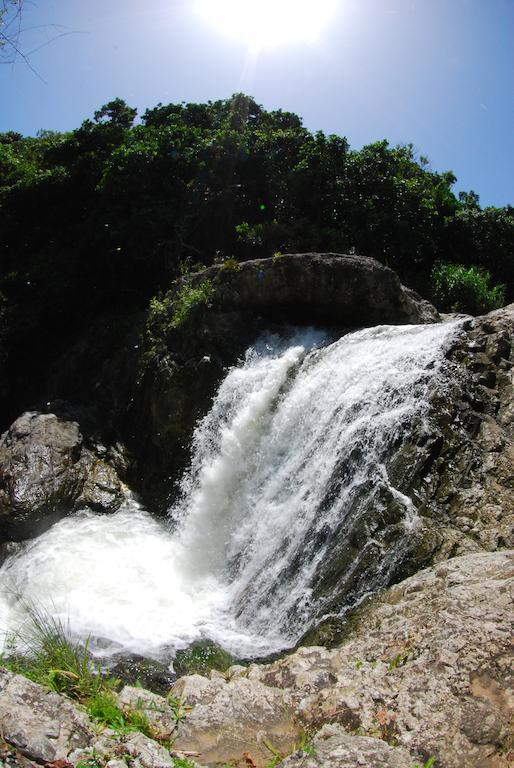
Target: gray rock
(42, 725)
(332, 747)
(330, 288)
(145, 752)
(46, 471)
(229, 719)
(427, 667)
(465, 490)
(160, 715)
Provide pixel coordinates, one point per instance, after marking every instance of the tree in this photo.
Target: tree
(10, 30)
(118, 113)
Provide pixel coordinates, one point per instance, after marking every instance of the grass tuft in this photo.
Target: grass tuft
(43, 651)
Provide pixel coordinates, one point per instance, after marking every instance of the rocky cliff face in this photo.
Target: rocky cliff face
(146, 383)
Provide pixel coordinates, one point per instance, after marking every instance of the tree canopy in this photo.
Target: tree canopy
(102, 218)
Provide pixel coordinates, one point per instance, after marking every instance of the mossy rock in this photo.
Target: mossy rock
(149, 673)
(200, 658)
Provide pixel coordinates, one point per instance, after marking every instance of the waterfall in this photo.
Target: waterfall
(287, 511)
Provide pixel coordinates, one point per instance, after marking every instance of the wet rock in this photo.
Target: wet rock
(200, 658)
(46, 471)
(465, 492)
(42, 725)
(149, 673)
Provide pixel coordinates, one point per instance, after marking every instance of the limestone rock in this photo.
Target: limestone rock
(332, 747)
(42, 725)
(427, 667)
(46, 471)
(146, 752)
(231, 718)
(156, 709)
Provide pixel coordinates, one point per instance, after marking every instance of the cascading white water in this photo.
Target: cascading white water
(283, 506)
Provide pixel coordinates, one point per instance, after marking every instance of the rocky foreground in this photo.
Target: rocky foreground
(425, 673)
(422, 671)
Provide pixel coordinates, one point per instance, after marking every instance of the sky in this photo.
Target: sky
(434, 73)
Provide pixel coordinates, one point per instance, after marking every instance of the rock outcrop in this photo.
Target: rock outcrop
(427, 668)
(425, 673)
(332, 746)
(469, 489)
(460, 474)
(323, 288)
(185, 364)
(42, 725)
(47, 470)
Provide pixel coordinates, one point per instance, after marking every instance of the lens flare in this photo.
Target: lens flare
(268, 23)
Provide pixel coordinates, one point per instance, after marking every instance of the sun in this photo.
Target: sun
(268, 23)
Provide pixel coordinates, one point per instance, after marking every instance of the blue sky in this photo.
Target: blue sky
(437, 73)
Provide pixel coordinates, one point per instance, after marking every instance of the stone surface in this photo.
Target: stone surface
(332, 747)
(46, 471)
(229, 719)
(146, 752)
(42, 725)
(326, 288)
(465, 490)
(425, 672)
(427, 667)
(156, 709)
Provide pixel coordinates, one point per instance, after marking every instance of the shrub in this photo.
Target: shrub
(189, 301)
(457, 288)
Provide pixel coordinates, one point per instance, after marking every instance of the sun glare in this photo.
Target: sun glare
(268, 23)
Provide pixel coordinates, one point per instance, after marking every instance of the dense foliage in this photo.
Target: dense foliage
(460, 289)
(100, 219)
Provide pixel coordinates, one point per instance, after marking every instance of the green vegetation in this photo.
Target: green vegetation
(302, 745)
(429, 763)
(460, 289)
(52, 659)
(402, 658)
(97, 221)
(188, 302)
(89, 762)
(182, 762)
(104, 709)
(44, 652)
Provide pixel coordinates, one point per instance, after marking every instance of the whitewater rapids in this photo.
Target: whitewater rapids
(290, 459)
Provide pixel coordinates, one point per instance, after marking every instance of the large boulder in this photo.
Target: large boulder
(332, 746)
(42, 725)
(460, 473)
(46, 471)
(317, 288)
(229, 719)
